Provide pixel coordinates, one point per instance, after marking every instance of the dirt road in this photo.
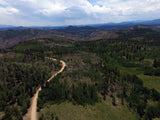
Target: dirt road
(32, 111)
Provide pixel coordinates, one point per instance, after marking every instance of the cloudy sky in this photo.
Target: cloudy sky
(75, 12)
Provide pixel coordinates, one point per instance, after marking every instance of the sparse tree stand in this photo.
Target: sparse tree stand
(57, 118)
(156, 63)
(113, 101)
(122, 100)
(12, 113)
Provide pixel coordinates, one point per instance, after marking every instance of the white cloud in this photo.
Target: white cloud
(53, 12)
(52, 9)
(8, 10)
(3, 2)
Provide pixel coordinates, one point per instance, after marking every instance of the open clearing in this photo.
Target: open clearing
(100, 111)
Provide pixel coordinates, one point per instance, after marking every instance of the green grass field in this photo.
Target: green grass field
(148, 81)
(100, 111)
(156, 119)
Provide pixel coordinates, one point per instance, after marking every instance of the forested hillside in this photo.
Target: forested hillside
(9, 38)
(108, 78)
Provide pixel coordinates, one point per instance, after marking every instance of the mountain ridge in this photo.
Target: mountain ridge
(124, 24)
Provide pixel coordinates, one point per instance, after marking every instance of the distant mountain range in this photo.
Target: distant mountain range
(105, 26)
(127, 24)
(12, 35)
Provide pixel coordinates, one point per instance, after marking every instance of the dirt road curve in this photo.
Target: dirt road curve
(32, 111)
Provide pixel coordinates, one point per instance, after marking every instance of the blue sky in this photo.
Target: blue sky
(76, 12)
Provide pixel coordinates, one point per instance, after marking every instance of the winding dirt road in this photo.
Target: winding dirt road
(32, 111)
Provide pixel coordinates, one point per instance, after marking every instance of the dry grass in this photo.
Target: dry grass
(1, 115)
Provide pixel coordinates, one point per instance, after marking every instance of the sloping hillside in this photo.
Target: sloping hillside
(11, 37)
